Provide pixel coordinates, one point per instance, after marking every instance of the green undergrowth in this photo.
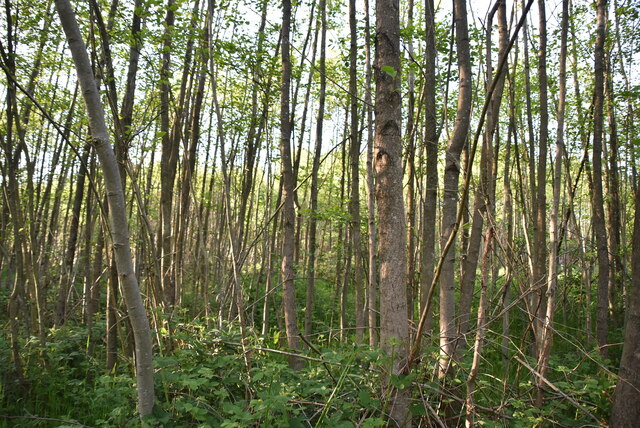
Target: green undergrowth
(209, 380)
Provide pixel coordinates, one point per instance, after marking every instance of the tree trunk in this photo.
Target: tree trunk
(552, 281)
(288, 210)
(117, 212)
(626, 412)
(411, 173)
(483, 204)
(430, 205)
(540, 234)
(167, 165)
(313, 221)
(394, 328)
(67, 276)
(450, 196)
(597, 196)
(354, 156)
(372, 291)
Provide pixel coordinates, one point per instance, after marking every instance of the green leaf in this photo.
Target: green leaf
(389, 70)
(364, 397)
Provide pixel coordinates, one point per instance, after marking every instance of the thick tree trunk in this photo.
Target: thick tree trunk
(117, 213)
(394, 328)
(626, 412)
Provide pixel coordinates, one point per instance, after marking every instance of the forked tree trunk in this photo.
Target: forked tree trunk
(117, 212)
(484, 198)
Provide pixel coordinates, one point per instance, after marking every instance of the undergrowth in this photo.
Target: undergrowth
(205, 381)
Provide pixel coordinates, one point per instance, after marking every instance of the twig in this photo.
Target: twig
(559, 391)
(40, 418)
(313, 348)
(277, 351)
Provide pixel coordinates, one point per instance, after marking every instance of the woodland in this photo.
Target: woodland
(309, 213)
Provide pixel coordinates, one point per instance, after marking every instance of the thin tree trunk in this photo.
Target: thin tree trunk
(372, 306)
(430, 205)
(480, 333)
(288, 210)
(313, 220)
(354, 156)
(67, 277)
(614, 214)
(540, 234)
(167, 164)
(552, 281)
(450, 196)
(597, 196)
(483, 203)
(411, 173)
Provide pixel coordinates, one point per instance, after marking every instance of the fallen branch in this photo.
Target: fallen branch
(277, 351)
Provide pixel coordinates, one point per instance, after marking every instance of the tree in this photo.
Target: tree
(602, 311)
(394, 328)
(354, 157)
(288, 209)
(552, 281)
(626, 411)
(450, 192)
(430, 204)
(311, 261)
(117, 214)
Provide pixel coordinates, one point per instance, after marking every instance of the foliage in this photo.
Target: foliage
(205, 382)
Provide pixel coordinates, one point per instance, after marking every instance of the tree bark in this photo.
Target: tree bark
(626, 412)
(430, 205)
(394, 328)
(288, 210)
(167, 165)
(540, 234)
(450, 192)
(354, 156)
(117, 212)
(372, 290)
(313, 220)
(552, 281)
(602, 307)
(483, 203)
